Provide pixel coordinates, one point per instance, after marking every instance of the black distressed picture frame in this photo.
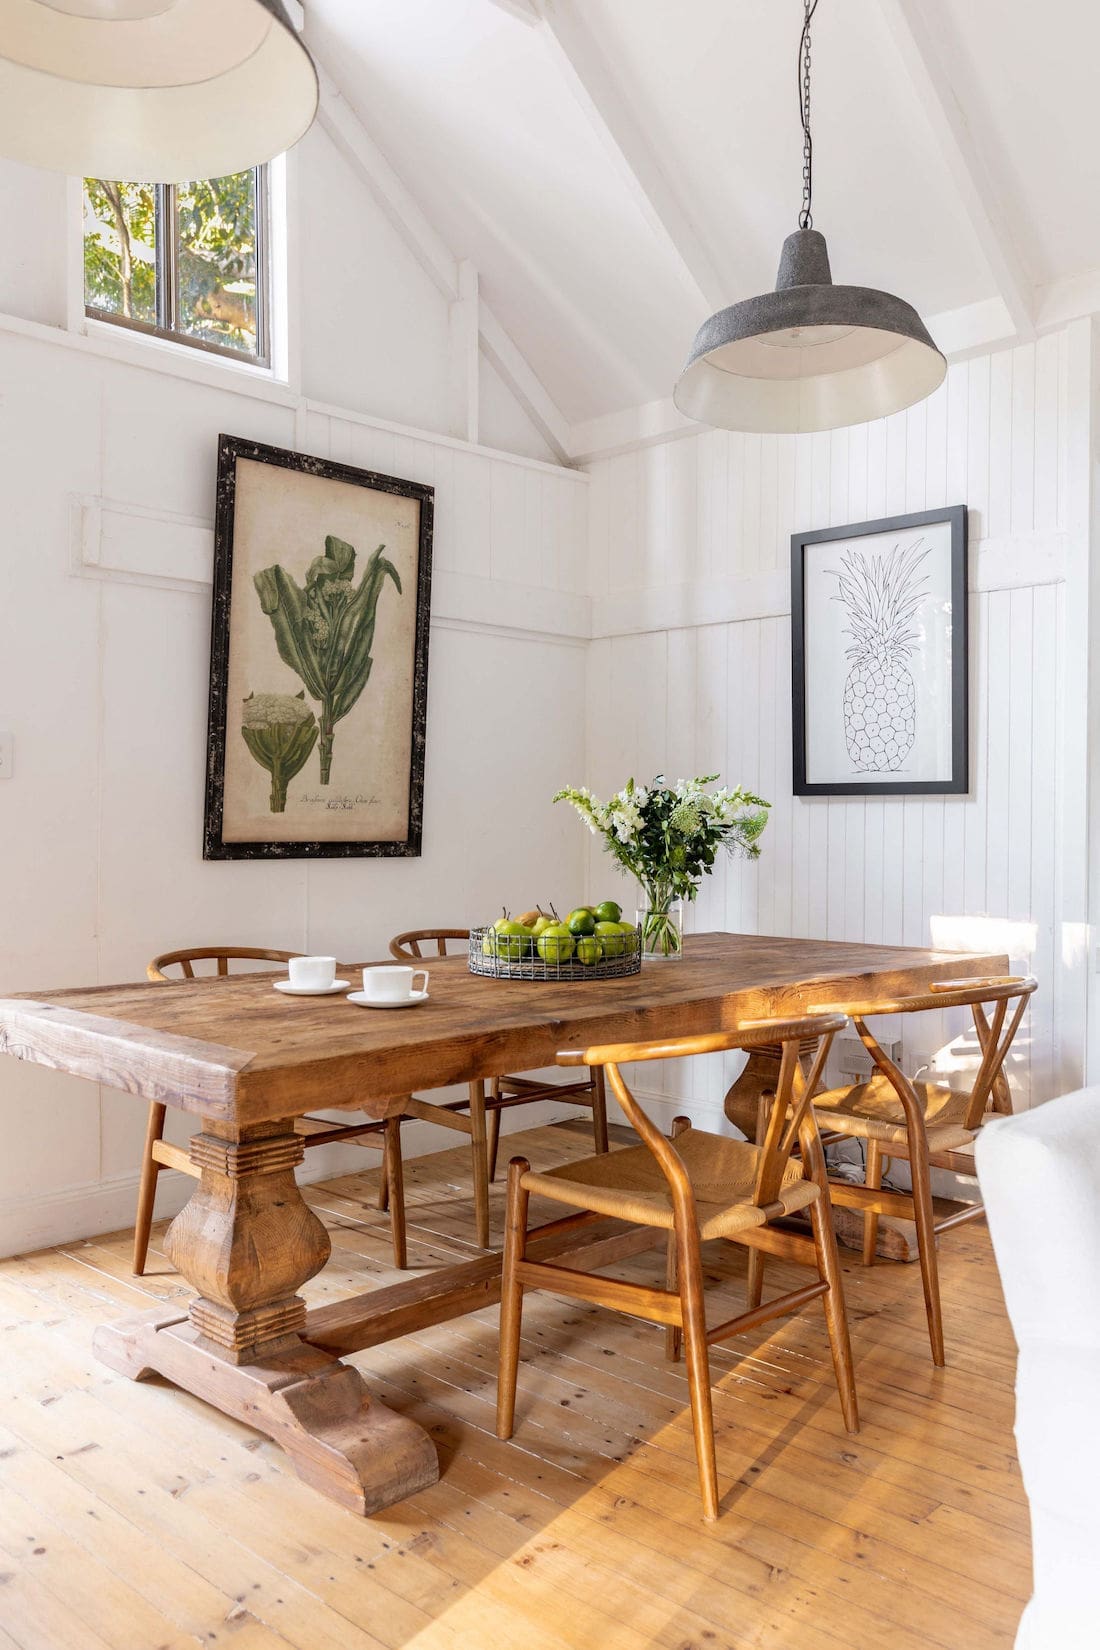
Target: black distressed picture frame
(230, 450)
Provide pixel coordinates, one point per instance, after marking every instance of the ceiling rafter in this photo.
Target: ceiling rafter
(597, 89)
(455, 279)
(523, 9)
(920, 43)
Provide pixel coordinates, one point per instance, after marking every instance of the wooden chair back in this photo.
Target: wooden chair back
(221, 955)
(406, 947)
(997, 1005)
(791, 1116)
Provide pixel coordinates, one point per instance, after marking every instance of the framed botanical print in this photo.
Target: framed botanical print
(879, 657)
(318, 658)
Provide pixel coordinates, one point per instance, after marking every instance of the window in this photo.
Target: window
(185, 261)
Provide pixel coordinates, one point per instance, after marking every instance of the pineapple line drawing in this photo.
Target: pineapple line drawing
(881, 595)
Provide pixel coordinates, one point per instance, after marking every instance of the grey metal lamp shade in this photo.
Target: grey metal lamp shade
(151, 90)
(810, 355)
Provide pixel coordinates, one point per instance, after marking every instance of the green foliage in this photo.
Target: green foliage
(120, 248)
(325, 631)
(215, 239)
(280, 730)
(667, 836)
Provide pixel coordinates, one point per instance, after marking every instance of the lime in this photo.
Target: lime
(581, 921)
(555, 944)
(612, 939)
(608, 911)
(588, 950)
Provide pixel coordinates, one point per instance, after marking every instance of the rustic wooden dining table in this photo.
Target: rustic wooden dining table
(248, 1061)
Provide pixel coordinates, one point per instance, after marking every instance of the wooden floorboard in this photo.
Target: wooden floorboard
(133, 1517)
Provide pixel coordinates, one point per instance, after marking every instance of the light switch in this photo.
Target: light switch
(6, 756)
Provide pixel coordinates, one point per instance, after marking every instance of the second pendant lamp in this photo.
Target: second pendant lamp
(810, 355)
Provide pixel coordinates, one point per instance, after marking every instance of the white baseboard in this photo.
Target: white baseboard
(39, 1220)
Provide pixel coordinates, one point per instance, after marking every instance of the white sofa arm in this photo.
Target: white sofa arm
(1040, 1179)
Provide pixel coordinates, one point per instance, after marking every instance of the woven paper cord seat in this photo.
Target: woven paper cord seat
(872, 1111)
(629, 1184)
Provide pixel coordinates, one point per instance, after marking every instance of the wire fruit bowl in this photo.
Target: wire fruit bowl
(506, 957)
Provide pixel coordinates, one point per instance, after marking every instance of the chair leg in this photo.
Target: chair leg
(698, 1372)
(493, 1123)
(925, 1218)
(511, 1296)
(393, 1173)
(599, 1108)
(872, 1177)
(384, 1177)
(755, 1286)
(480, 1154)
(147, 1186)
(836, 1317)
(674, 1335)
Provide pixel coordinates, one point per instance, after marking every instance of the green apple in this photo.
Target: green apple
(556, 944)
(609, 911)
(513, 940)
(581, 922)
(588, 950)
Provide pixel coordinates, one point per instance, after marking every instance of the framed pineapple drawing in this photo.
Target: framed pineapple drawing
(319, 658)
(879, 639)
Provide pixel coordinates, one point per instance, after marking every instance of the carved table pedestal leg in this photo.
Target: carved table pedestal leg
(247, 1242)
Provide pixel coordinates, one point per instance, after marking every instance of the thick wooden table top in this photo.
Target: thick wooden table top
(236, 1049)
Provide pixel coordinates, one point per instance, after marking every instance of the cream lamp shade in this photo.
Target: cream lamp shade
(151, 91)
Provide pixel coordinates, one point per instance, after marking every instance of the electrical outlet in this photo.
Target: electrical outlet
(7, 744)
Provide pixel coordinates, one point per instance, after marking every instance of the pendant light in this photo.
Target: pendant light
(810, 355)
(153, 91)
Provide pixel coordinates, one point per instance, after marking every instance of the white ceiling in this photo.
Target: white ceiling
(615, 169)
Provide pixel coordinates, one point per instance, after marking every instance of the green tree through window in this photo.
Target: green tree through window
(186, 261)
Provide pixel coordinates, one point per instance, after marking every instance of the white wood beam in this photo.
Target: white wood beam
(649, 425)
(472, 323)
(921, 45)
(598, 90)
(465, 358)
(528, 389)
(523, 9)
(339, 119)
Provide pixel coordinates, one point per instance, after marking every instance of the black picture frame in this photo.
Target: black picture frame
(958, 783)
(230, 450)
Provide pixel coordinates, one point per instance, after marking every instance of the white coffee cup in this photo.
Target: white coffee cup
(393, 983)
(312, 973)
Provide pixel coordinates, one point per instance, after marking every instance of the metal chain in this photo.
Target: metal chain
(806, 217)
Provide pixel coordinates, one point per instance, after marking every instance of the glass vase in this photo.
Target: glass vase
(660, 922)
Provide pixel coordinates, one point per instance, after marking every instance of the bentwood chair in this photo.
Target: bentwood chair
(317, 1131)
(926, 1124)
(478, 1116)
(694, 1187)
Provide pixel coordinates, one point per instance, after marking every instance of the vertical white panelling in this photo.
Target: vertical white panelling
(880, 869)
(107, 691)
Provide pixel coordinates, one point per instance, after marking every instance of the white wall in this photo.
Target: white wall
(107, 464)
(690, 673)
(583, 628)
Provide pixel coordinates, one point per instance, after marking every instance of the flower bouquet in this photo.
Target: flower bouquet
(667, 836)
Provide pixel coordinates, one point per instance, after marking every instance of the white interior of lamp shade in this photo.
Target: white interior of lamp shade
(876, 373)
(804, 352)
(236, 113)
(140, 43)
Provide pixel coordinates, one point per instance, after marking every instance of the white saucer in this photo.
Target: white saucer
(412, 1001)
(311, 990)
